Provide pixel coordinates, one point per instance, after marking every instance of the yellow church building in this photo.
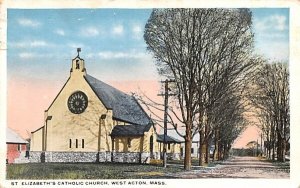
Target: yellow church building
(91, 121)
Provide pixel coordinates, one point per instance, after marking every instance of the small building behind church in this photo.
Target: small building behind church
(172, 148)
(91, 121)
(16, 147)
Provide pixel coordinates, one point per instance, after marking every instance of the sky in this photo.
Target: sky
(109, 38)
(42, 42)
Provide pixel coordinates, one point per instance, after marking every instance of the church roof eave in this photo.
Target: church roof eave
(58, 94)
(37, 129)
(77, 57)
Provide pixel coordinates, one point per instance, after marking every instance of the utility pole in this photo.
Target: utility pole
(166, 97)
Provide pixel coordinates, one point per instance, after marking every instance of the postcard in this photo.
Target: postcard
(142, 94)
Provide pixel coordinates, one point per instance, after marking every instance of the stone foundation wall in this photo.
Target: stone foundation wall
(65, 157)
(121, 157)
(72, 156)
(35, 156)
(173, 156)
(155, 155)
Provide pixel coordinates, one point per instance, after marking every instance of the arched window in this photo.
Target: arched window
(129, 142)
(151, 143)
(77, 64)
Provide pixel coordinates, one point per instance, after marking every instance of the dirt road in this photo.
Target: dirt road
(241, 167)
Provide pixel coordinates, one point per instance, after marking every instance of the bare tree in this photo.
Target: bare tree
(229, 121)
(167, 34)
(207, 52)
(271, 100)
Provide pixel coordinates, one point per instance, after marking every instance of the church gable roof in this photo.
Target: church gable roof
(124, 106)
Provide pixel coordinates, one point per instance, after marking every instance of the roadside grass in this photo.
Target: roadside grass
(287, 162)
(195, 162)
(284, 166)
(88, 171)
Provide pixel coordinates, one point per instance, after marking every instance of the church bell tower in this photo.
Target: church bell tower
(78, 67)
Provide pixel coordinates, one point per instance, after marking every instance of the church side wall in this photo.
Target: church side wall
(36, 140)
(137, 144)
(128, 144)
(105, 130)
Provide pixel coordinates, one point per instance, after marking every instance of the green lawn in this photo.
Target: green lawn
(88, 171)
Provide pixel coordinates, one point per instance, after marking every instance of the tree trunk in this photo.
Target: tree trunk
(273, 139)
(187, 155)
(188, 147)
(279, 154)
(207, 151)
(216, 150)
(283, 149)
(206, 141)
(220, 151)
(201, 149)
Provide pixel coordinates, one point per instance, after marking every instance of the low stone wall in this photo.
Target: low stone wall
(70, 157)
(121, 157)
(35, 156)
(65, 157)
(155, 155)
(173, 156)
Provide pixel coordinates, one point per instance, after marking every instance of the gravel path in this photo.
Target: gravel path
(241, 167)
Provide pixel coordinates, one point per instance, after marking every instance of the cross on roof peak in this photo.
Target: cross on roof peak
(78, 50)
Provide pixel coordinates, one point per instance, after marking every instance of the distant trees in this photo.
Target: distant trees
(208, 54)
(232, 121)
(252, 148)
(270, 99)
